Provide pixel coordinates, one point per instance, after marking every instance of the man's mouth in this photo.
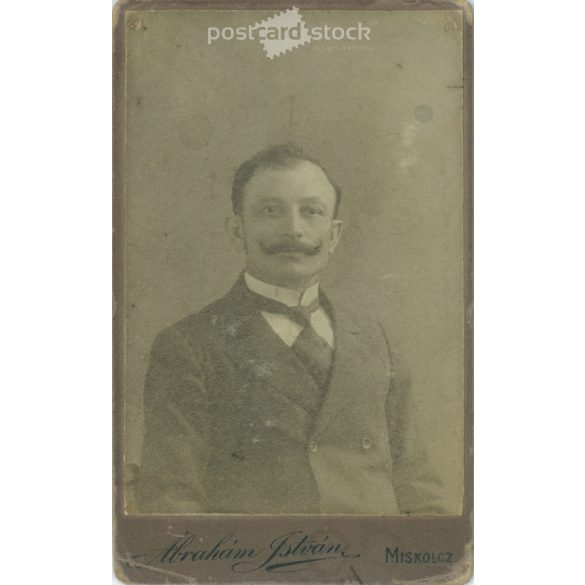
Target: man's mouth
(291, 248)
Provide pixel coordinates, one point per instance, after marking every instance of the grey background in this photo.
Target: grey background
(384, 116)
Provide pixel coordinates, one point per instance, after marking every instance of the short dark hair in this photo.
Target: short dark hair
(282, 156)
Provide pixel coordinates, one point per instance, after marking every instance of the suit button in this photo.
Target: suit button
(366, 443)
(313, 447)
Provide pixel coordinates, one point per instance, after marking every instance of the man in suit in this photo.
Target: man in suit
(276, 398)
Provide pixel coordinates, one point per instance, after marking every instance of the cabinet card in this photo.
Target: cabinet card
(292, 259)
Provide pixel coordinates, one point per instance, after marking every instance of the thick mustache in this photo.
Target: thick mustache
(291, 246)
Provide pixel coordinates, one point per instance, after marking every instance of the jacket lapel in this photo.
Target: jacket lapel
(268, 368)
(271, 372)
(357, 373)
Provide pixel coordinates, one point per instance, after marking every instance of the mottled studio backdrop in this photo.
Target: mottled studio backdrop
(384, 116)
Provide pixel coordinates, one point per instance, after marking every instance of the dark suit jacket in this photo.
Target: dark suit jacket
(226, 431)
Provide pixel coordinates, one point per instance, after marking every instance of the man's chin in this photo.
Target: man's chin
(292, 270)
(296, 257)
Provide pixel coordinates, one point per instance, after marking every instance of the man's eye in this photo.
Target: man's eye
(269, 210)
(314, 211)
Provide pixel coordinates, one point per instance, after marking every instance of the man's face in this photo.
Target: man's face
(286, 226)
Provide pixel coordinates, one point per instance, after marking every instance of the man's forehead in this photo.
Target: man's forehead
(302, 178)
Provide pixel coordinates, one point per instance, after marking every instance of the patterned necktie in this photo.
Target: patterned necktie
(311, 349)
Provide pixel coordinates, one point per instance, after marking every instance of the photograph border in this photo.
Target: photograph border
(136, 536)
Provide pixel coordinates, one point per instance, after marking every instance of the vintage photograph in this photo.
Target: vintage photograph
(274, 398)
(295, 261)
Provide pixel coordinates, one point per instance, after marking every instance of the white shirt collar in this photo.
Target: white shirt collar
(287, 296)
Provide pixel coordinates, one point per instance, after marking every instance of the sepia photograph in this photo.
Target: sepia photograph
(274, 398)
(293, 266)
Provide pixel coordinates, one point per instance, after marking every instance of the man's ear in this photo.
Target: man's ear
(336, 229)
(235, 231)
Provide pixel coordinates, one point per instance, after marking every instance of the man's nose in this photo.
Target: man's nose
(295, 224)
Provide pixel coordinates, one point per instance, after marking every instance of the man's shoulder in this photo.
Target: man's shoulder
(198, 326)
(354, 314)
(369, 318)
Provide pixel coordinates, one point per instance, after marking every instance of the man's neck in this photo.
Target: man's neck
(288, 296)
